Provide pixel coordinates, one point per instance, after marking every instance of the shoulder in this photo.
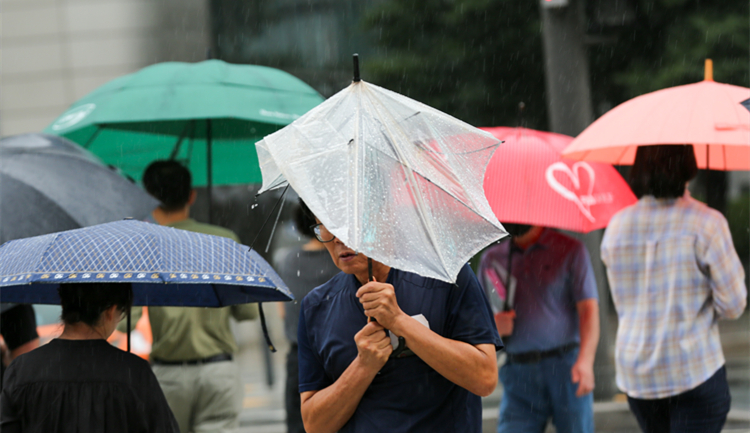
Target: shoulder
(29, 360)
(705, 224)
(710, 218)
(217, 231)
(466, 277)
(563, 244)
(625, 214)
(332, 287)
(207, 229)
(621, 222)
(140, 377)
(133, 361)
(499, 249)
(554, 237)
(118, 356)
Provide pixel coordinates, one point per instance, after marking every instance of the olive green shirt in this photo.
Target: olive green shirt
(188, 333)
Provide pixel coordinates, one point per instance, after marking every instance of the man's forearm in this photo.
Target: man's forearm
(588, 318)
(329, 409)
(471, 367)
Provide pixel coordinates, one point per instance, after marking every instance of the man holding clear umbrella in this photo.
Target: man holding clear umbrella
(425, 373)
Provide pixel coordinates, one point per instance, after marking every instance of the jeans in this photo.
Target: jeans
(701, 410)
(536, 392)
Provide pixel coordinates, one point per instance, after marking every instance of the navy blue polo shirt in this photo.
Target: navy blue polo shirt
(407, 395)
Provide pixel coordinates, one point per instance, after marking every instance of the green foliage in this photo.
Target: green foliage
(667, 44)
(477, 59)
(473, 59)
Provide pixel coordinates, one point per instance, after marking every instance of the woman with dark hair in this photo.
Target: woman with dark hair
(673, 271)
(79, 382)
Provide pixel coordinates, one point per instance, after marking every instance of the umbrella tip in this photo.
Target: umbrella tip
(708, 74)
(355, 60)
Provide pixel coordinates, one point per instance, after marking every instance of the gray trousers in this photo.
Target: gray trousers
(204, 398)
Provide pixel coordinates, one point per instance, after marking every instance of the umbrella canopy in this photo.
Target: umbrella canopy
(166, 266)
(528, 182)
(176, 110)
(392, 178)
(707, 115)
(49, 184)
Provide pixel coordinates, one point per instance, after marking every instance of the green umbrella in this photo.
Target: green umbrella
(207, 115)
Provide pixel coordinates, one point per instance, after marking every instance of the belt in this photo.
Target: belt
(216, 358)
(536, 356)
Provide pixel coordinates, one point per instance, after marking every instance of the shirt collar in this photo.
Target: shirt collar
(650, 200)
(542, 242)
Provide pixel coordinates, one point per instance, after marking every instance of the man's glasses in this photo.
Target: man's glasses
(321, 233)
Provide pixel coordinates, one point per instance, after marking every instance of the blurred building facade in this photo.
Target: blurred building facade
(56, 51)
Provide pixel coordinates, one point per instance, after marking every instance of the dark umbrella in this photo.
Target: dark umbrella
(50, 184)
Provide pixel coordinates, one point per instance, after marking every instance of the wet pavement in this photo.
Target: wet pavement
(263, 405)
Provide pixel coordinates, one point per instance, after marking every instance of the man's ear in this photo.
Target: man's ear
(193, 196)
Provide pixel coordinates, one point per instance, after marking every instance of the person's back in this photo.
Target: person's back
(84, 386)
(673, 272)
(79, 383)
(659, 278)
(184, 333)
(193, 348)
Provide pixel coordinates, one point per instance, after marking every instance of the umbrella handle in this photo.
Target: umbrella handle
(271, 347)
(369, 270)
(355, 61)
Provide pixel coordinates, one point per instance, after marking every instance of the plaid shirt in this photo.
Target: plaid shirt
(673, 273)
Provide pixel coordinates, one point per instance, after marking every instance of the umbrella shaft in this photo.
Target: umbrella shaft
(209, 170)
(128, 325)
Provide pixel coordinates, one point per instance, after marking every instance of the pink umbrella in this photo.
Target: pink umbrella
(708, 115)
(528, 182)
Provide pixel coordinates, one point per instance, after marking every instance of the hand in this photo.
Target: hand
(379, 302)
(504, 321)
(373, 346)
(582, 373)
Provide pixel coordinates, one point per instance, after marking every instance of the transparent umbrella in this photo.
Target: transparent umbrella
(392, 178)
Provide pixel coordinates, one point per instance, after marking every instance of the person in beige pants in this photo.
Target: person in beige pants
(193, 348)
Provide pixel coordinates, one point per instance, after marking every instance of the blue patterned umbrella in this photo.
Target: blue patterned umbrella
(166, 266)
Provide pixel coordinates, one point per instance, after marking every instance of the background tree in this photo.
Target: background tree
(477, 59)
(666, 45)
(473, 59)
